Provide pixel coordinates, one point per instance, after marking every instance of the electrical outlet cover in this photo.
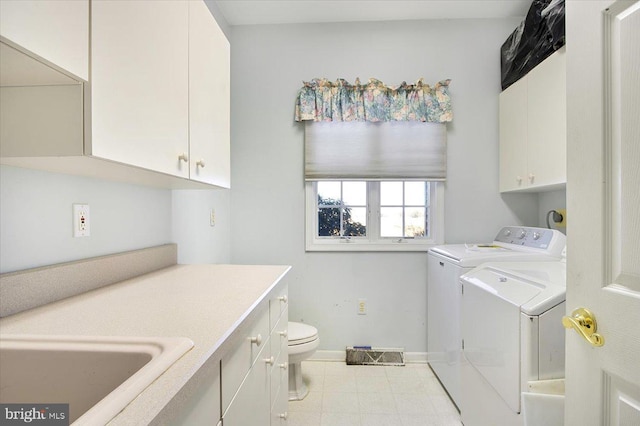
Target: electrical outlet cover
(362, 307)
(81, 223)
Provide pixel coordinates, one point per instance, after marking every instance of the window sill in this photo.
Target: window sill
(369, 247)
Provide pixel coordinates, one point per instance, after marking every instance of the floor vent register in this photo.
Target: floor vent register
(365, 355)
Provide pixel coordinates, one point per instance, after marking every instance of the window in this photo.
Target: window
(365, 215)
(374, 186)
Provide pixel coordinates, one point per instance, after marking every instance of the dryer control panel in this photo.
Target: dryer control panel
(538, 239)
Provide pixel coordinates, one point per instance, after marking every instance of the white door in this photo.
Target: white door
(603, 204)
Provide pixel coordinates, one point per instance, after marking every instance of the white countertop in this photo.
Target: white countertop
(204, 303)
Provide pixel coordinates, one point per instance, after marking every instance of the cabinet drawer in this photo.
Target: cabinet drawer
(280, 375)
(250, 406)
(279, 340)
(237, 362)
(279, 412)
(278, 303)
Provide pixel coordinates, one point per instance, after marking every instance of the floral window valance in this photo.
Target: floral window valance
(322, 100)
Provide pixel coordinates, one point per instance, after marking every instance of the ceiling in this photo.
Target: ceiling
(242, 12)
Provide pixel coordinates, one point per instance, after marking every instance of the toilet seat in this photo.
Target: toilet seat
(300, 333)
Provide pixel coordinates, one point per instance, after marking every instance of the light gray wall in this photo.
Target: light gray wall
(198, 241)
(269, 64)
(36, 219)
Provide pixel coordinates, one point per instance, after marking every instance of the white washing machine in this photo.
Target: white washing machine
(512, 334)
(446, 264)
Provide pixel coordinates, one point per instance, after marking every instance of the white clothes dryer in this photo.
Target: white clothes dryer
(512, 334)
(446, 263)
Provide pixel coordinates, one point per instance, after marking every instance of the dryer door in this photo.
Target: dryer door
(491, 328)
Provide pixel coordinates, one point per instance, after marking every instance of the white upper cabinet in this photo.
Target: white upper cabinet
(156, 95)
(56, 31)
(547, 113)
(140, 84)
(533, 136)
(209, 98)
(513, 136)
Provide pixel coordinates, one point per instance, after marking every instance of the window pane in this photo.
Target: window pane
(355, 221)
(356, 215)
(391, 193)
(391, 221)
(329, 222)
(415, 222)
(329, 190)
(354, 193)
(415, 194)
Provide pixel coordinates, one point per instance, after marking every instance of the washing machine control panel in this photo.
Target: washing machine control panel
(535, 238)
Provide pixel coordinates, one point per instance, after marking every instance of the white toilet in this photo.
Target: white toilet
(303, 342)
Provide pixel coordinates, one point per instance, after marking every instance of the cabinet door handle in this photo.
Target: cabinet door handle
(531, 177)
(257, 340)
(284, 366)
(200, 163)
(441, 263)
(183, 157)
(270, 360)
(284, 333)
(283, 415)
(283, 299)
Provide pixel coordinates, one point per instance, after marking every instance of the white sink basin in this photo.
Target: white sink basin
(97, 376)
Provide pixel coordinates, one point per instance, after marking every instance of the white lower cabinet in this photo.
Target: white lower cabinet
(254, 373)
(204, 407)
(280, 384)
(279, 412)
(250, 406)
(248, 386)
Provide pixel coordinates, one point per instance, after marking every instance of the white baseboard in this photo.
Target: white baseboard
(409, 357)
(329, 356)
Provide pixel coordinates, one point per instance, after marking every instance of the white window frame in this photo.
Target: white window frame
(373, 241)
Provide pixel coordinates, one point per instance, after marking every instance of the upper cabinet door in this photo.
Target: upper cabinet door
(55, 30)
(547, 115)
(140, 84)
(513, 136)
(209, 98)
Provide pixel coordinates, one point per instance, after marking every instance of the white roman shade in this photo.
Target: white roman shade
(404, 150)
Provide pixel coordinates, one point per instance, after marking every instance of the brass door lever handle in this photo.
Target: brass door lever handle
(584, 322)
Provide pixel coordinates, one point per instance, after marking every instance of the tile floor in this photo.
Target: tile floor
(353, 395)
